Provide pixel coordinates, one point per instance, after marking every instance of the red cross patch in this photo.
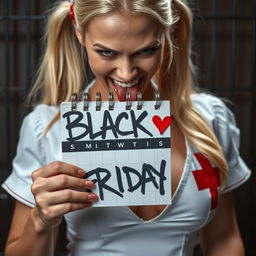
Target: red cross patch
(207, 178)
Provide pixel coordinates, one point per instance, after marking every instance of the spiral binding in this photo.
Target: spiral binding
(157, 99)
(111, 101)
(128, 102)
(139, 97)
(98, 101)
(86, 101)
(74, 99)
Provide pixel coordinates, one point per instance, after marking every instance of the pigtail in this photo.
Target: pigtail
(61, 71)
(176, 85)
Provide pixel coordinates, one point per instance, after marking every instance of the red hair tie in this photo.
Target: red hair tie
(71, 12)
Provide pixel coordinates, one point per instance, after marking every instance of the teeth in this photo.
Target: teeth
(126, 85)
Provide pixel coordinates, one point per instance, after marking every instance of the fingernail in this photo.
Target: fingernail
(93, 197)
(81, 172)
(89, 184)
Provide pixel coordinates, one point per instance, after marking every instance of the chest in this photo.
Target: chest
(188, 200)
(191, 209)
(178, 158)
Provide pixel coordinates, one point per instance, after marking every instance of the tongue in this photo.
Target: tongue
(121, 92)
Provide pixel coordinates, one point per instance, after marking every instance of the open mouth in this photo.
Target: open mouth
(121, 89)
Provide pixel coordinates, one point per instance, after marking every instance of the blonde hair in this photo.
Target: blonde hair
(62, 70)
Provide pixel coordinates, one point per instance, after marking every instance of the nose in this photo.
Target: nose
(126, 70)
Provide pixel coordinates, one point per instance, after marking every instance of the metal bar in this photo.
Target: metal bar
(233, 52)
(7, 85)
(194, 29)
(22, 17)
(211, 17)
(226, 18)
(253, 85)
(28, 47)
(251, 238)
(24, 91)
(213, 48)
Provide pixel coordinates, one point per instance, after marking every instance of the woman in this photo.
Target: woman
(127, 44)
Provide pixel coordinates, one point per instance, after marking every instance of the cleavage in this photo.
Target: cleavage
(178, 158)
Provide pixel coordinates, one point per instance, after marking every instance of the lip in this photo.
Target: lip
(139, 83)
(133, 83)
(121, 91)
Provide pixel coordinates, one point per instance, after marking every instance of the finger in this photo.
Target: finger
(62, 181)
(55, 211)
(56, 168)
(65, 196)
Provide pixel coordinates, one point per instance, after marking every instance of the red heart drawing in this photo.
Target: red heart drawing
(161, 125)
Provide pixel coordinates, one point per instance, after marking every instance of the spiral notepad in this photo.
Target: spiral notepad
(124, 147)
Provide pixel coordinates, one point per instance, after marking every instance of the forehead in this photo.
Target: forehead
(119, 28)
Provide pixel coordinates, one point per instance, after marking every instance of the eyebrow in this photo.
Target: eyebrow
(152, 44)
(103, 46)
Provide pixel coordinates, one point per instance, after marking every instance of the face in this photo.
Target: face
(124, 52)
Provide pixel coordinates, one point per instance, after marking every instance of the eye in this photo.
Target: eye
(105, 53)
(147, 51)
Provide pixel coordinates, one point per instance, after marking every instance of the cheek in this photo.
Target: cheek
(97, 65)
(152, 65)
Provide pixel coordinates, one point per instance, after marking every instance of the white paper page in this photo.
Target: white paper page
(127, 153)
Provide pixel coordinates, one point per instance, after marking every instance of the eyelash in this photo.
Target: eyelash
(148, 51)
(102, 53)
(145, 52)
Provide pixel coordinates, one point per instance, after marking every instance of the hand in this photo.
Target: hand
(59, 188)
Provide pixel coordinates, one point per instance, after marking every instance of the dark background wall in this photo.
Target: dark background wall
(225, 47)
